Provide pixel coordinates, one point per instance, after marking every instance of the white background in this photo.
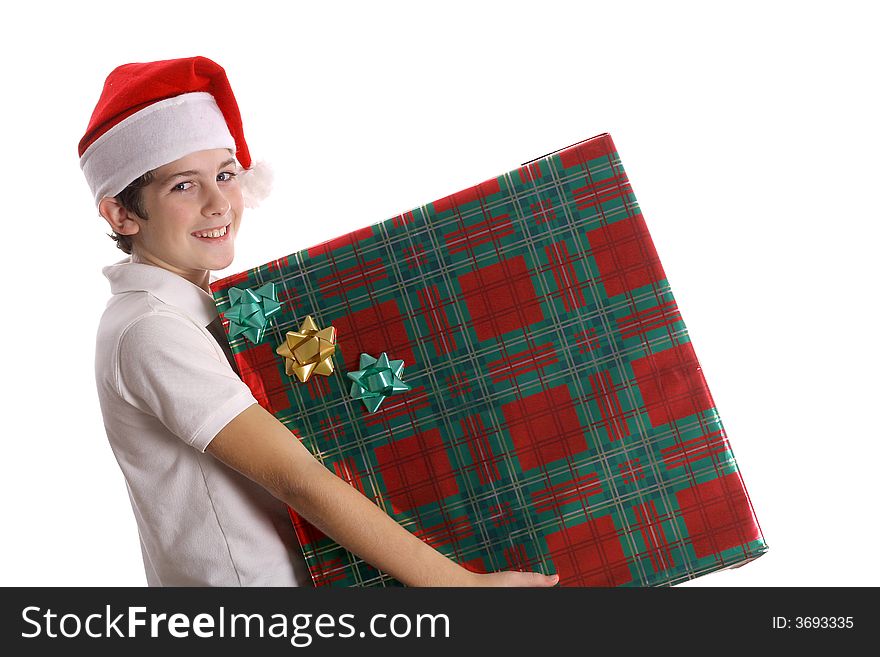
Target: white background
(749, 135)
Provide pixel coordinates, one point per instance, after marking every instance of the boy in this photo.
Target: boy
(208, 470)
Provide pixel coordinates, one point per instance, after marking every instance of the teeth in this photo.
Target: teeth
(212, 233)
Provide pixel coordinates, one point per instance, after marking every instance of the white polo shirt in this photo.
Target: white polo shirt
(166, 389)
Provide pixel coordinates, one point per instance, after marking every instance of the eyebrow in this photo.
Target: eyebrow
(193, 172)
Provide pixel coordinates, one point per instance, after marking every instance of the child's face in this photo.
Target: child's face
(191, 195)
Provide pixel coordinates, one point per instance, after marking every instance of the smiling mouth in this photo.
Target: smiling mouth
(216, 234)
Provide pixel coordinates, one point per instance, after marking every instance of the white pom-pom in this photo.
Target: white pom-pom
(256, 183)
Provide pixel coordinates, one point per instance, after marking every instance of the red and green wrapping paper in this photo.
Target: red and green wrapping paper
(551, 414)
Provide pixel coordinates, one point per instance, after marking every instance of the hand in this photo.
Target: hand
(515, 578)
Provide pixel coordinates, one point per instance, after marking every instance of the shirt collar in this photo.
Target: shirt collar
(168, 287)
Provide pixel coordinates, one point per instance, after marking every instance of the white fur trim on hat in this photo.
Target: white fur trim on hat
(156, 135)
(256, 183)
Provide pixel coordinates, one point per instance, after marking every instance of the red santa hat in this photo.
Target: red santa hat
(153, 113)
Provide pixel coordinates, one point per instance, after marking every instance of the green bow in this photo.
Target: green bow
(376, 380)
(250, 310)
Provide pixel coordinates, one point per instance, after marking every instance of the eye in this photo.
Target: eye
(181, 187)
(225, 176)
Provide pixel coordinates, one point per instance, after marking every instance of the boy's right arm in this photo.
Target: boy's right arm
(260, 447)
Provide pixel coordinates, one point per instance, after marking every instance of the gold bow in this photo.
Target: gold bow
(308, 350)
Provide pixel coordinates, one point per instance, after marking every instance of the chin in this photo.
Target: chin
(222, 262)
(226, 262)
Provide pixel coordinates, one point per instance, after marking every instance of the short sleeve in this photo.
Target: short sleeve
(168, 367)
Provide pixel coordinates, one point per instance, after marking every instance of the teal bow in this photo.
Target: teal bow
(250, 310)
(377, 379)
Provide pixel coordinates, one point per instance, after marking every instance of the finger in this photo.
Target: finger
(538, 579)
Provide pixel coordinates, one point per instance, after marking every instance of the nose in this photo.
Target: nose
(216, 204)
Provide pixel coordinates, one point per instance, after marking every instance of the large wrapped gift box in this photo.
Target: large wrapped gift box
(505, 372)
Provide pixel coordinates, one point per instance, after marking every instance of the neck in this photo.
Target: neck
(198, 277)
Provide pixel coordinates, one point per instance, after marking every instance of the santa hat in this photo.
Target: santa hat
(150, 114)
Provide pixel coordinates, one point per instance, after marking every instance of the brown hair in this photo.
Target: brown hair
(132, 200)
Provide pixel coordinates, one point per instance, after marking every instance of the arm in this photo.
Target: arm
(264, 450)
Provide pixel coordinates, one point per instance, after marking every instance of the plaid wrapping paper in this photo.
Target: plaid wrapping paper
(558, 418)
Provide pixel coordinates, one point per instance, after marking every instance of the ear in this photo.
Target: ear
(121, 220)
